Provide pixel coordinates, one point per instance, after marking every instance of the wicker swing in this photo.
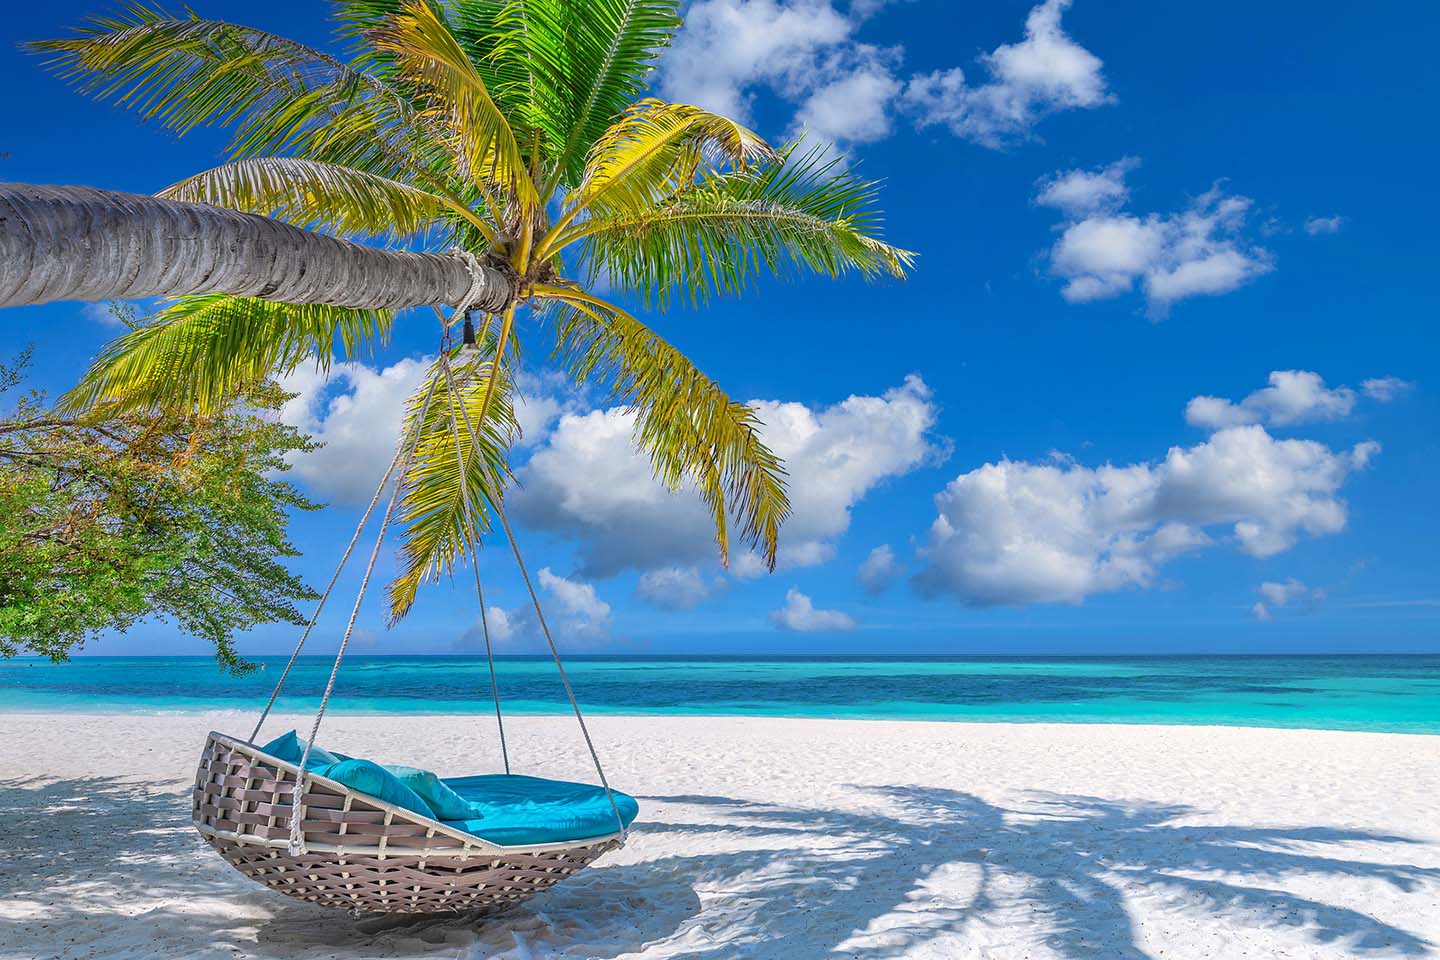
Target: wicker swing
(349, 849)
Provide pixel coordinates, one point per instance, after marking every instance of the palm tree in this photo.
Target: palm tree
(513, 134)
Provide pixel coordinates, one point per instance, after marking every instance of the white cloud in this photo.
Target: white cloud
(1279, 594)
(1385, 389)
(800, 615)
(1044, 73)
(677, 588)
(847, 91)
(583, 613)
(1017, 532)
(1104, 252)
(878, 569)
(1318, 225)
(537, 406)
(1274, 595)
(729, 46)
(854, 107)
(587, 482)
(505, 627)
(357, 413)
(1294, 396)
(1078, 193)
(574, 612)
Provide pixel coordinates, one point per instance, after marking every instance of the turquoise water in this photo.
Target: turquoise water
(1384, 693)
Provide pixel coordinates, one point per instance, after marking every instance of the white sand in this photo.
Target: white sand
(786, 839)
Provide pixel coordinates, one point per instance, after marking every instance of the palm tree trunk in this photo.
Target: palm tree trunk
(79, 243)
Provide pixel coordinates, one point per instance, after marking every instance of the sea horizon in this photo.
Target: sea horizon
(1394, 693)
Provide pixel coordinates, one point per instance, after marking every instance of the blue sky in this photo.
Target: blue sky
(1119, 208)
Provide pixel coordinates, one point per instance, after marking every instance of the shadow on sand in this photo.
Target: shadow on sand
(922, 870)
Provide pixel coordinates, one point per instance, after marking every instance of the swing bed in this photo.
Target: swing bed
(345, 832)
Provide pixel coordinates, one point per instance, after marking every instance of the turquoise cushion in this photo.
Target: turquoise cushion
(515, 810)
(371, 778)
(444, 803)
(290, 748)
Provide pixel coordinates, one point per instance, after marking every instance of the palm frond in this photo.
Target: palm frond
(430, 57)
(201, 352)
(685, 424)
(441, 479)
(654, 151)
(588, 63)
(277, 94)
(718, 236)
(321, 196)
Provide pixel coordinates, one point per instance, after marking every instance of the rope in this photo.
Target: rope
(461, 462)
(334, 578)
(479, 285)
(297, 841)
(554, 652)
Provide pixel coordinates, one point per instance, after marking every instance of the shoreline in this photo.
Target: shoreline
(99, 714)
(791, 837)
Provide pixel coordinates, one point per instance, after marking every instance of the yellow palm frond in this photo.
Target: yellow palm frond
(323, 196)
(438, 526)
(200, 353)
(429, 56)
(653, 151)
(688, 428)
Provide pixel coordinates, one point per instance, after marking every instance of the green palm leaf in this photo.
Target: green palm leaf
(201, 352)
(322, 196)
(718, 236)
(589, 62)
(457, 97)
(277, 95)
(441, 479)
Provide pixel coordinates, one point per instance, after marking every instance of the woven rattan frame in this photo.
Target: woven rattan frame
(360, 853)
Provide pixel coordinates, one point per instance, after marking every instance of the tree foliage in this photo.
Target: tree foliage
(108, 519)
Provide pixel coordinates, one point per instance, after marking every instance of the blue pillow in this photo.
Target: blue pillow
(369, 777)
(444, 803)
(290, 748)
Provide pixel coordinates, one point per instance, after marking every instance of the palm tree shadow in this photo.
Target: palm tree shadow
(881, 884)
(91, 862)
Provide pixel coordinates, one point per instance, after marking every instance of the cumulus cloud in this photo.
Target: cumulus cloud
(1385, 389)
(846, 91)
(574, 612)
(357, 413)
(729, 46)
(1318, 225)
(1274, 595)
(583, 613)
(1293, 396)
(1044, 73)
(1015, 532)
(1105, 252)
(800, 615)
(1079, 193)
(1279, 594)
(878, 570)
(587, 482)
(677, 588)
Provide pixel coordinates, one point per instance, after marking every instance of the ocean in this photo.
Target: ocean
(1380, 693)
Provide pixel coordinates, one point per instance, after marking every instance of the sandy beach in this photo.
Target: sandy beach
(782, 838)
